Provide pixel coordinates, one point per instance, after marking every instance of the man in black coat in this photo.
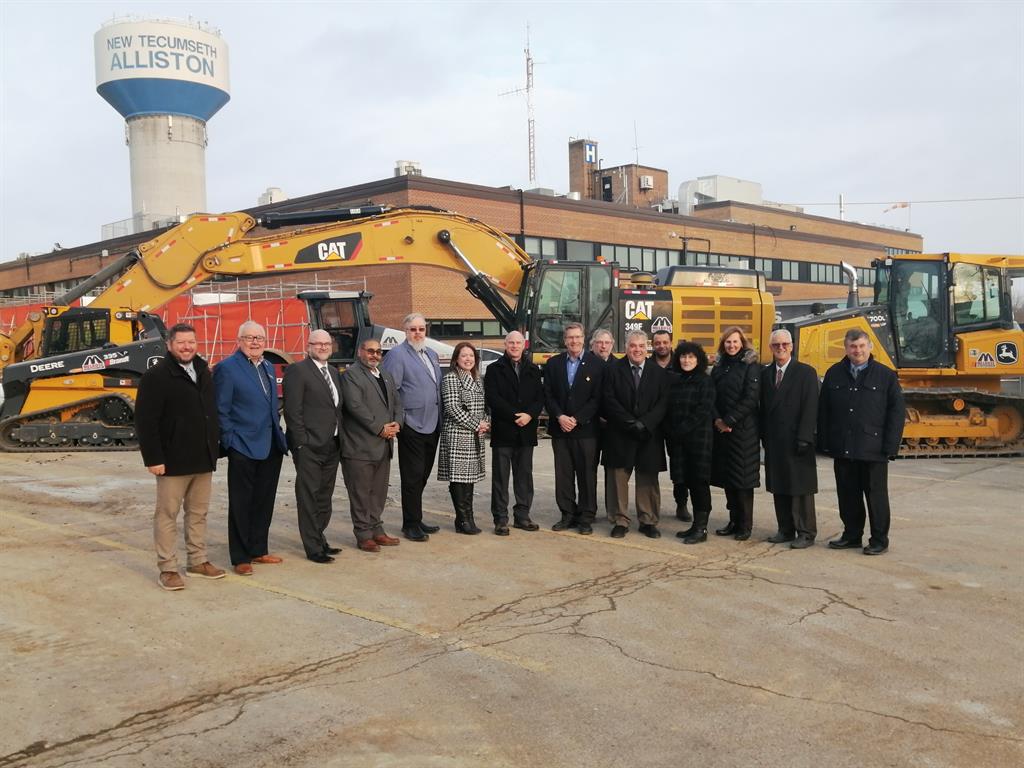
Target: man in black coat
(312, 416)
(635, 398)
(860, 424)
(176, 420)
(788, 415)
(515, 398)
(572, 394)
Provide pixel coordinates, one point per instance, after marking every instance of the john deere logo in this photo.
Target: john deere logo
(1006, 353)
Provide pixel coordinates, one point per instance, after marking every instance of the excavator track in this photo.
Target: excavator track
(95, 424)
(1009, 408)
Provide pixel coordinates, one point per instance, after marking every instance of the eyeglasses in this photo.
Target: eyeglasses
(320, 343)
(421, 328)
(781, 345)
(377, 351)
(253, 339)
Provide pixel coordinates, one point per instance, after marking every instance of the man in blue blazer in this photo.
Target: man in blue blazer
(417, 374)
(251, 436)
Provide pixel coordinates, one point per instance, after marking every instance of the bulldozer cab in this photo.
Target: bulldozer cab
(565, 292)
(916, 293)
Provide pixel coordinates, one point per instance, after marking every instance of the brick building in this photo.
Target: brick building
(798, 253)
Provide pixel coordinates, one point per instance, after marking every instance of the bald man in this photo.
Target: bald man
(312, 416)
(251, 436)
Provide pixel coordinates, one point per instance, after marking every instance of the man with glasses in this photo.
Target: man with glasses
(417, 374)
(372, 419)
(788, 416)
(250, 434)
(312, 414)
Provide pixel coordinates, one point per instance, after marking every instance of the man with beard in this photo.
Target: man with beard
(176, 420)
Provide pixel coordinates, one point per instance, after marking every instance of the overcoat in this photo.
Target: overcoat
(507, 395)
(688, 425)
(736, 455)
(788, 418)
(629, 409)
(176, 420)
(860, 420)
(582, 400)
(461, 458)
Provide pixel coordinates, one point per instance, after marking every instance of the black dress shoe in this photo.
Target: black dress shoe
(619, 531)
(564, 524)
(333, 550)
(742, 536)
(650, 531)
(415, 534)
(585, 529)
(780, 538)
(682, 513)
(844, 544)
(321, 558)
(729, 529)
(501, 530)
(526, 525)
(429, 528)
(875, 549)
(802, 542)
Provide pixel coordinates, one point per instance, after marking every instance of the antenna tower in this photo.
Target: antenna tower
(528, 90)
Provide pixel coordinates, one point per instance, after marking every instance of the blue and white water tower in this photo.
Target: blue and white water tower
(167, 78)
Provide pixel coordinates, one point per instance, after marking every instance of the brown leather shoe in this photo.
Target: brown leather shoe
(205, 570)
(171, 581)
(369, 545)
(244, 569)
(267, 560)
(386, 541)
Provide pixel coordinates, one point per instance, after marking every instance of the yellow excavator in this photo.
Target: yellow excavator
(75, 389)
(945, 323)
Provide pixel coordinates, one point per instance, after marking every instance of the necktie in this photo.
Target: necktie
(636, 377)
(430, 366)
(778, 377)
(327, 376)
(262, 378)
(191, 371)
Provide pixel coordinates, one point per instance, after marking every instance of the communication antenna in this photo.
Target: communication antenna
(636, 145)
(528, 90)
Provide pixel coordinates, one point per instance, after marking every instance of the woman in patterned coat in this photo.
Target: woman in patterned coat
(688, 426)
(736, 457)
(464, 422)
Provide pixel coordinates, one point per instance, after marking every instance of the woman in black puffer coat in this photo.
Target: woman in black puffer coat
(691, 403)
(736, 457)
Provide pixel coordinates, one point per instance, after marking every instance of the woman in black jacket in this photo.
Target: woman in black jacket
(736, 457)
(691, 403)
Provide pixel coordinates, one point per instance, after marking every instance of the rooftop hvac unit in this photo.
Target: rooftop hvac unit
(646, 182)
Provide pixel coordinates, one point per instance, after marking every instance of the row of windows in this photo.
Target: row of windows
(898, 251)
(464, 329)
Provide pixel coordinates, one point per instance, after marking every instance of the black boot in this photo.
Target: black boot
(699, 531)
(730, 528)
(462, 498)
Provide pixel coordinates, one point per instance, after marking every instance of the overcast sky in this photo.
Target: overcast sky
(882, 102)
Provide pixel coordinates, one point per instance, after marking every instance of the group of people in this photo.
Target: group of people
(637, 416)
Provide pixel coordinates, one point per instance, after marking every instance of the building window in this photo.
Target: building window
(765, 266)
(865, 276)
(576, 250)
(636, 258)
(825, 273)
(541, 247)
(790, 270)
(464, 329)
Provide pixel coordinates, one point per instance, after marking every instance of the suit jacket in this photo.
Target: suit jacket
(248, 411)
(421, 395)
(507, 395)
(788, 417)
(625, 445)
(582, 400)
(310, 415)
(861, 420)
(176, 419)
(366, 412)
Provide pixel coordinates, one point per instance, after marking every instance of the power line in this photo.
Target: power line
(922, 202)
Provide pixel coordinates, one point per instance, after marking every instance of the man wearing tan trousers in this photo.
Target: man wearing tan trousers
(176, 420)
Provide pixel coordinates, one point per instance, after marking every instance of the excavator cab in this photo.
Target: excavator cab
(345, 315)
(564, 292)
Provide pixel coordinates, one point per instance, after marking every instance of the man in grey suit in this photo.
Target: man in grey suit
(372, 417)
(417, 374)
(312, 415)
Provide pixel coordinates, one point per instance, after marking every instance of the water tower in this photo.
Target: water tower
(167, 78)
